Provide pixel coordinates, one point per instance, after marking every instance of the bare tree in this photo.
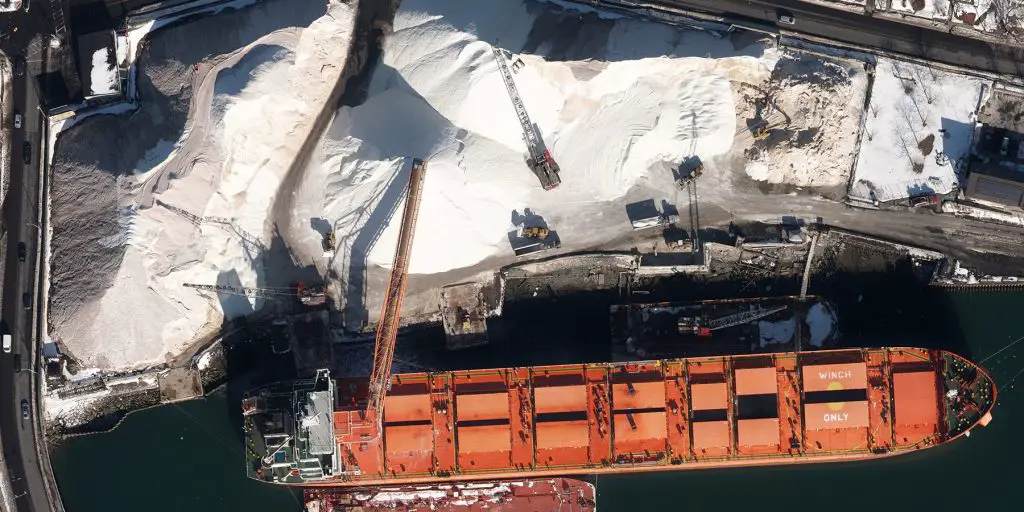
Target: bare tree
(905, 106)
(925, 85)
(1008, 14)
(905, 140)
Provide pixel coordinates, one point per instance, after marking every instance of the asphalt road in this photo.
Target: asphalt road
(865, 30)
(19, 217)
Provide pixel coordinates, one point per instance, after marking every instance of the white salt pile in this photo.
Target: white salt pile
(438, 95)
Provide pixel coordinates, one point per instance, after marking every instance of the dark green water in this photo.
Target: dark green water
(188, 457)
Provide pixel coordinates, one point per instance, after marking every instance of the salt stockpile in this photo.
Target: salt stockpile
(195, 210)
(615, 125)
(215, 204)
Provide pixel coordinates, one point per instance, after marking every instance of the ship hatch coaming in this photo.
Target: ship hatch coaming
(687, 413)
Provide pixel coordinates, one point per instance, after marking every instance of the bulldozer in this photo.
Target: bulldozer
(328, 244)
(534, 232)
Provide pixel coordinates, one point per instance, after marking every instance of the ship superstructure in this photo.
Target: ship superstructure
(542, 421)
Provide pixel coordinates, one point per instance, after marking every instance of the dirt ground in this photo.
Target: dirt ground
(799, 130)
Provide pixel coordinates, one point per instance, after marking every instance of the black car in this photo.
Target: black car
(19, 65)
(26, 152)
(24, 409)
(22, 251)
(26, 300)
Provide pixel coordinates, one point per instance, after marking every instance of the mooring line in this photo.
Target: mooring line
(208, 431)
(1009, 385)
(1002, 349)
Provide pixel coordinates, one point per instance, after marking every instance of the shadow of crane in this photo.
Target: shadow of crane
(366, 237)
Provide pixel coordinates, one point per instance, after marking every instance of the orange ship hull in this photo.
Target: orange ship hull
(695, 413)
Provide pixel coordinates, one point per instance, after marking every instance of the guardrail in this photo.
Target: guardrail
(39, 325)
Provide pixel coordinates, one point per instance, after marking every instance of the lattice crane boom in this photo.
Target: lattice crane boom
(243, 291)
(387, 327)
(540, 158)
(532, 142)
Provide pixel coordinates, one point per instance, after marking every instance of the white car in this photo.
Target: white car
(17, 120)
(785, 17)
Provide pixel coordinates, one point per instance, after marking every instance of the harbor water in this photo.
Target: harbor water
(188, 456)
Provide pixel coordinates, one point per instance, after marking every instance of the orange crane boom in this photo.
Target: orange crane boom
(387, 326)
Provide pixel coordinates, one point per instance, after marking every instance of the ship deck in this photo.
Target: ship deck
(666, 414)
(556, 494)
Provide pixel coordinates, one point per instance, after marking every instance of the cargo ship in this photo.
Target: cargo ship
(563, 494)
(663, 415)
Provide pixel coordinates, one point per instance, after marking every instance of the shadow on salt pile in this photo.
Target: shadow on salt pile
(231, 304)
(232, 81)
(356, 315)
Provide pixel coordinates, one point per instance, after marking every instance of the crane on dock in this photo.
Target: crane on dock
(703, 326)
(539, 160)
(307, 295)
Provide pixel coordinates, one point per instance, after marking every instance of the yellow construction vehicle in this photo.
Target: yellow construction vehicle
(533, 232)
(328, 244)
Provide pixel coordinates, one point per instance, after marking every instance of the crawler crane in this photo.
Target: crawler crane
(540, 160)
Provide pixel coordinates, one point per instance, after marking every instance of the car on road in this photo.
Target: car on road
(22, 251)
(19, 65)
(26, 152)
(7, 343)
(26, 300)
(17, 120)
(24, 409)
(785, 17)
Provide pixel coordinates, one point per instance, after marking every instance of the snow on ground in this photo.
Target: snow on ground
(204, 360)
(611, 123)
(984, 15)
(973, 212)
(919, 124)
(822, 100)
(934, 9)
(72, 410)
(249, 117)
(771, 333)
(822, 323)
(103, 74)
